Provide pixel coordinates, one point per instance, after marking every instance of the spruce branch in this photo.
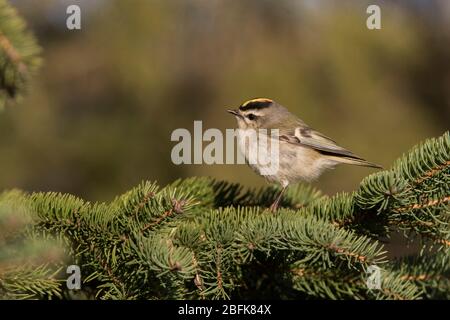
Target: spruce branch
(29, 263)
(200, 238)
(19, 54)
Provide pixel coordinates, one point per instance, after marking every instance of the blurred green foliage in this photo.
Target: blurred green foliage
(19, 54)
(99, 116)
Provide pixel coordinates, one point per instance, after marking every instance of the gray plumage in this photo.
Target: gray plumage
(304, 153)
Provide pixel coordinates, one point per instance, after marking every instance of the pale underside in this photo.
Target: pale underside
(295, 162)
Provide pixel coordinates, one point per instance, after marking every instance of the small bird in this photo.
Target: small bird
(303, 153)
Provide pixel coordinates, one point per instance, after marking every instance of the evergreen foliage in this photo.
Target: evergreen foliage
(29, 261)
(19, 54)
(199, 238)
(204, 239)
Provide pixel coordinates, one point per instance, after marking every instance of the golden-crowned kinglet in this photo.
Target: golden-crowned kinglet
(302, 152)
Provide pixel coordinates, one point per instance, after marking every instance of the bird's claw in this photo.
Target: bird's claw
(274, 207)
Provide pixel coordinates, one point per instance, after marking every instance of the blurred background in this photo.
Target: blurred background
(99, 115)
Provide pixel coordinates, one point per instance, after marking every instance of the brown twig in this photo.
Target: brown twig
(348, 253)
(445, 242)
(166, 214)
(12, 54)
(141, 204)
(219, 272)
(432, 172)
(198, 281)
(420, 277)
(423, 205)
(177, 207)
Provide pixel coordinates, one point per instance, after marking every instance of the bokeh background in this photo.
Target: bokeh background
(98, 117)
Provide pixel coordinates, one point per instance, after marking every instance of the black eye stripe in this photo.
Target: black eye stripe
(256, 105)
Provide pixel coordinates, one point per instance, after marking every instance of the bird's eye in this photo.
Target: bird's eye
(251, 116)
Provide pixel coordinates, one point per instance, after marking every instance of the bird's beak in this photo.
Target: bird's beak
(235, 113)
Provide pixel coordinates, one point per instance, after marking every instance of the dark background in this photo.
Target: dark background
(98, 117)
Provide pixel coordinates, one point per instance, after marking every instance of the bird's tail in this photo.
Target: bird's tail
(356, 161)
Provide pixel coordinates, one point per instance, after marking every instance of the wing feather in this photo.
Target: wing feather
(299, 133)
(311, 138)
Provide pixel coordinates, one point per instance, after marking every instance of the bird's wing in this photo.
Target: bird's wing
(305, 136)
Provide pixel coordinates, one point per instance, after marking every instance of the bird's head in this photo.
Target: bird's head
(259, 113)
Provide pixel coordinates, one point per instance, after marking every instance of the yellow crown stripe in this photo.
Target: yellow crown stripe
(256, 100)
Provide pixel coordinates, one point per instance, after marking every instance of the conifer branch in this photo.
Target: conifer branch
(19, 54)
(201, 239)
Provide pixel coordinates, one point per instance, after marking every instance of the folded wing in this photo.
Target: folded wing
(308, 137)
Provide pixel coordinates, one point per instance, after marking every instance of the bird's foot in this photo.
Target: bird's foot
(274, 207)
